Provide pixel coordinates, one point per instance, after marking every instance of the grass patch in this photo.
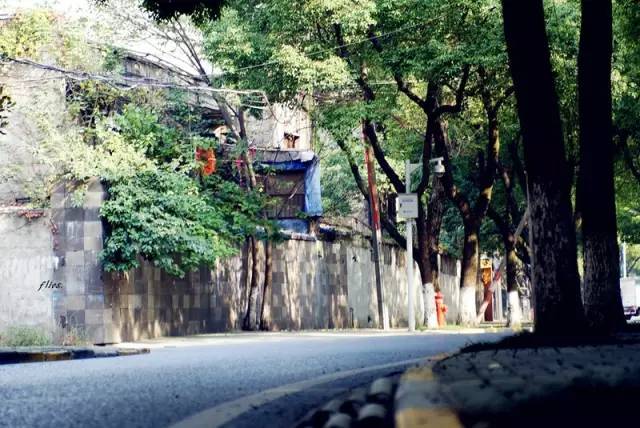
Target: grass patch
(25, 336)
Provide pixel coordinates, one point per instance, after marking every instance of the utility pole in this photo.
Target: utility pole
(376, 233)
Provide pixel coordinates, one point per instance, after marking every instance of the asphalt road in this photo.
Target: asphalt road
(237, 381)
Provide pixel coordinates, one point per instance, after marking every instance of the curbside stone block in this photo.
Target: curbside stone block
(45, 354)
(420, 402)
(372, 415)
(339, 420)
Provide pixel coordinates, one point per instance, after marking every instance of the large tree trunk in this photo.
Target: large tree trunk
(603, 305)
(428, 295)
(265, 313)
(435, 215)
(558, 307)
(469, 276)
(505, 227)
(250, 318)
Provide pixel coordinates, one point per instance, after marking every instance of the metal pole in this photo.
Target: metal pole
(411, 290)
(375, 232)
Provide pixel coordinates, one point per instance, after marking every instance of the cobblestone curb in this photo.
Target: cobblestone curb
(586, 385)
(419, 401)
(18, 355)
(370, 407)
(407, 400)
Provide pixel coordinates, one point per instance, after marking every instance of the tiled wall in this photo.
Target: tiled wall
(77, 241)
(316, 284)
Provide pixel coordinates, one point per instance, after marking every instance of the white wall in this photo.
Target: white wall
(27, 259)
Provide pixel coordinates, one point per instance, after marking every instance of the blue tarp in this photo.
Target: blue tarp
(312, 191)
(311, 168)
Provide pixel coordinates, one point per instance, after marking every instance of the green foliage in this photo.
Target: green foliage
(27, 34)
(41, 35)
(110, 156)
(340, 196)
(627, 204)
(158, 207)
(165, 217)
(626, 111)
(24, 336)
(633, 260)
(288, 48)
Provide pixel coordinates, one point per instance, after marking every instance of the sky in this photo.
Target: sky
(86, 9)
(69, 7)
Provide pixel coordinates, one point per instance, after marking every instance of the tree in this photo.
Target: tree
(596, 193)
(340, 56)
(558, 306)
(508, 228)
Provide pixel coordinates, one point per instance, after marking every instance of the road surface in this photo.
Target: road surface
(242, 380)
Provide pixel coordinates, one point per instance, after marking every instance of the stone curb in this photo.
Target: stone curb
(413, 400)
(363, 407)
(37, 355)
(419, 401)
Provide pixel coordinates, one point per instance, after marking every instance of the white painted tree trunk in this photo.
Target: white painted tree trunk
(430, 316)
(467, 314)
(514, 319)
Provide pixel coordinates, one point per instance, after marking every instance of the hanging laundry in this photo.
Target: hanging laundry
(208, 158)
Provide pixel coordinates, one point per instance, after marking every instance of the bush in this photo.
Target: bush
(167, 218)
(25, 336)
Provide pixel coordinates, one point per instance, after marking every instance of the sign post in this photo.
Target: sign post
(407, 208)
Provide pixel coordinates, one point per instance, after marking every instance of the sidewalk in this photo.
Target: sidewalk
(592, 385)
(36, 354)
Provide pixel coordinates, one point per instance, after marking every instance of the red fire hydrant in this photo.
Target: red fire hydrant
(441, 309)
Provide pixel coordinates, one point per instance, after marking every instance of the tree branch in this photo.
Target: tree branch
(500, 223)
(457, 107)
(384, 220)
(397, 76)
(518, 167)
(368, 130)
(372, 137)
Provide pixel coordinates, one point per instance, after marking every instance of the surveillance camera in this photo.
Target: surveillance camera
(438, 169)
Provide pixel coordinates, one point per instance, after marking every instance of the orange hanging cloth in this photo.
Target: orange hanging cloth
(208, 156)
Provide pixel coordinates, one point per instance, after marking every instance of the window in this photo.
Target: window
(291, 141)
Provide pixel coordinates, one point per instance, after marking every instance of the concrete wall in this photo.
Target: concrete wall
(268, 131)
(27, 260)
(317, 284)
